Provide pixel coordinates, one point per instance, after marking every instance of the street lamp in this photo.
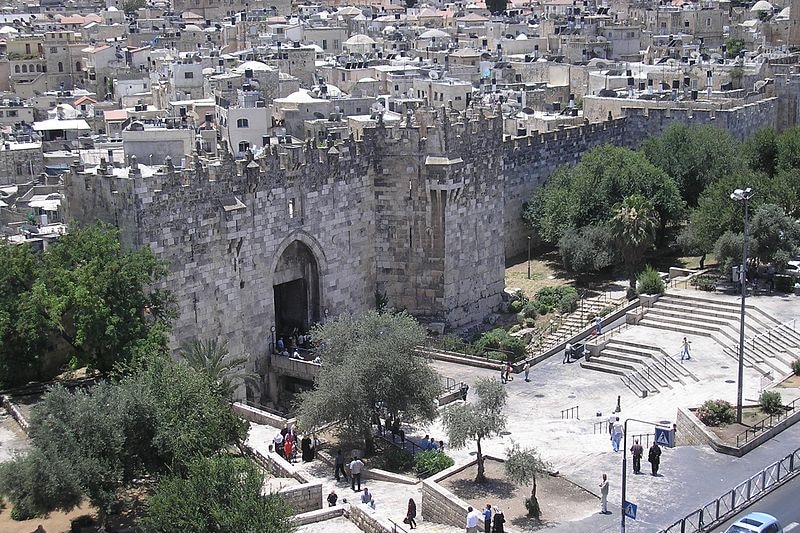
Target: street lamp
(743, 196)
(272, 330)
(529, 257)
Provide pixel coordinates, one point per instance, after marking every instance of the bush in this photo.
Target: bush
(531, 309)
(530, 322)
(716, 413)
(515, 328)
(432, 462)
(605, 311)
(704, 283)
(796, 367)
(500, 339)
(784, 283)
(649, 281)
(452, 343)
(515, 306)
(398, 460)
(568, 303)
(588, 249)
(770, 402)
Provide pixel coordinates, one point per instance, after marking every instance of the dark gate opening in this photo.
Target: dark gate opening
(291, 307)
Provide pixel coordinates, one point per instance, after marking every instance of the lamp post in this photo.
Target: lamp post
(272, 330)
(743, 196)
(625, 465)
(529, 257)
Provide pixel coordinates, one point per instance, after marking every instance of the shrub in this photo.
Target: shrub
(770, 402)
(515, 328)
(704, 283)
(796, 367)
(452, 343)
(605, 311)
(531, 309)
(716, 413)
(568, 303)
(432, 462)
(649, 281)
(398, 460)
(499, 339)
(784, 283)
(587, 249)
(530, 322)
(515, 306)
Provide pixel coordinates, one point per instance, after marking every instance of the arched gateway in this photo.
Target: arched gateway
(296, 285)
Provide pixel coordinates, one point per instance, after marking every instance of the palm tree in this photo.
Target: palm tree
(633, 229)
(211, 357)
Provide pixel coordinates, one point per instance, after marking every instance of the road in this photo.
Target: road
(781, 503)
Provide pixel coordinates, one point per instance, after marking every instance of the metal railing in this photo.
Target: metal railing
(571, 412)
(648, 374)
(719, 509)
(447, 384)
(397, 528)
(643, 438)
(766, 336)
(600, 427)
(768, 423)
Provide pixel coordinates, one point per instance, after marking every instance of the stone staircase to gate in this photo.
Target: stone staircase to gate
(770, 346)
(644, 369)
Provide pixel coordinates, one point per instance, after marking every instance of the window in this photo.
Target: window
(336, 43)
(291, 207)
(343, 76)
(243, 146)
(396, 87)
(188, 75)
(78, 66)
(25, 69)
(38, 68)
(27, 49)
(60, 66)
(16, 69)
(53, 49)
(324, 44)
(242, 123)
(708, 22)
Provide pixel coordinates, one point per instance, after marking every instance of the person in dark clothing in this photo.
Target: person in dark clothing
(499, 520)
(411, 513)
(306, 449)
(487, 518)
(339, 462)
(332, 499)
(654, 457)
(637, 452)
(464, 389)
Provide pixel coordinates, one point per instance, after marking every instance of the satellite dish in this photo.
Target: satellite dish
(433, 75)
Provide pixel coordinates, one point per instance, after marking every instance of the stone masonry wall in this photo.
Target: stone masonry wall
(303, 498)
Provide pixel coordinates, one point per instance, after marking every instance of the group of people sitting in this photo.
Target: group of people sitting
(428, 443)
(291, 348)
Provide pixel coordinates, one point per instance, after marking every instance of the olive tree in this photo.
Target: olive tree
(522, 467)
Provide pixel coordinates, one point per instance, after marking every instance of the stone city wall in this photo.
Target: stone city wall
(303, 498)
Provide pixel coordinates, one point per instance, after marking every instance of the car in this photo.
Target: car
(756, 523)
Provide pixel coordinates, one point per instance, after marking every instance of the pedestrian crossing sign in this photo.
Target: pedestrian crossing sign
(665, 437)
(630, 510)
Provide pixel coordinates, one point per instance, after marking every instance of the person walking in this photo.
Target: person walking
(339, 466)
(526, 370)
(598, 325)
(654, 458)
(487, 518)
(355, 473)
(508, 371)
(685, 350)
(604, 495)
(472, 520)
(503, 374)
(616, 434)
(567, 354)
(464, 388)
(411, 513)
(499, 520)
(637, 451)
(611, 421)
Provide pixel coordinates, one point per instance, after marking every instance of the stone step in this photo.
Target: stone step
(638, 385)
(665, 374)
(670, 325)
(690, 317)
(626, 345)
(679, 318)
(687, 308)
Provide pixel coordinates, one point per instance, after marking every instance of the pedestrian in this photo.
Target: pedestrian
(508, 371)
(598, 325)
(288, 449)
(277, 442)
(654, 458)
(611, 421)
(306, 449)
(503, 377)
(279, 345)
(685, 350)
(604, 495)
(567, 354)
(332, 499)
(526, 370)
(441, 445)
(616, 434)
(487, 518)
(366, 497)
(355, 473)
(339, 462)
(464, 389)
(411, 514)
(637, 452)
(472, 520)
(499, 520)
(425, 444)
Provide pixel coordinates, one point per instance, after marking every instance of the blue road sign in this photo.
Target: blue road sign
(665, 437)
(630, 510)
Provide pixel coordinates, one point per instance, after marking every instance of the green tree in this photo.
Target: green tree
(92, 443)
(496, 7)
(633, 228)
(370, 362)
(694, 156)
(776, 236)
(220, 494)
(586, 194)
(728, 250)
(85, 297)
(469, 422)
(587, 249)
(131, 6)
(212, 358)
(760, 150)
(523, 465)
(734, 46)
(788, 156)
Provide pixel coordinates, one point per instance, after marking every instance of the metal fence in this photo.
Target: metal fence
(768, 423)
(570, 412)
(708, 516)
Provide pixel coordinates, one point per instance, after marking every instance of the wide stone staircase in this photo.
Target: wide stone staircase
(644, 369)
(770, 346)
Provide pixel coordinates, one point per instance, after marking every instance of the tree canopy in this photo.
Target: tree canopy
(585, 194)
(633, 229)
(84, 297)
(523, 465)
(91, 443)
(476, 421)
(369, 366)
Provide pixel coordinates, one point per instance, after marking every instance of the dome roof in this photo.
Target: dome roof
(254, 66)
(522, 37)
(761, 5)
(367, 80)
(349, 11)
(193, 27)
(784, 14)
(360, 38)
(434, 34)
(302, 96)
